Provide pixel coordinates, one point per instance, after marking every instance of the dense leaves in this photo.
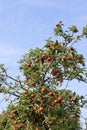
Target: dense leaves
(39, 102)
(43, 108)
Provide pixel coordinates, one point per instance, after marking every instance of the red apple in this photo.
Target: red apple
(32, 95)
(59, 99)
(50, 94)
(36, 60)
(20, 126)
(69, 58)
(72, 49)
(28, 65)
(50, 123)
(64, 58)
(43, 57)
(14, 111)
(11, 116)
(58, 25)
(43, 90)
(55, 101)
(74, 99)
(49, 58)
(63, 43)
(15, 122)
(33, 83)
(27, 78)
(60, 80)
(25, 92)
(41, 109)
(54, 71)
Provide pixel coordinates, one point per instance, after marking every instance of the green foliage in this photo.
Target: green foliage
(73, 29)
(56, 115)
(39, 103)
(85, 31)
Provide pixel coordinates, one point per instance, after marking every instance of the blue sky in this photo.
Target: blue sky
(25, 24)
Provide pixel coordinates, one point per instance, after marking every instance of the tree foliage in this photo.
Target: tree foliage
(40, 103)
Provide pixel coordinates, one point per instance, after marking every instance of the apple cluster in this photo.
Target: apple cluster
(41, 104)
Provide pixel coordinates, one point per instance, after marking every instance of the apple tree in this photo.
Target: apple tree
(38, 101)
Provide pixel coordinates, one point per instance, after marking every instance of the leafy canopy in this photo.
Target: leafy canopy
(39, 102)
